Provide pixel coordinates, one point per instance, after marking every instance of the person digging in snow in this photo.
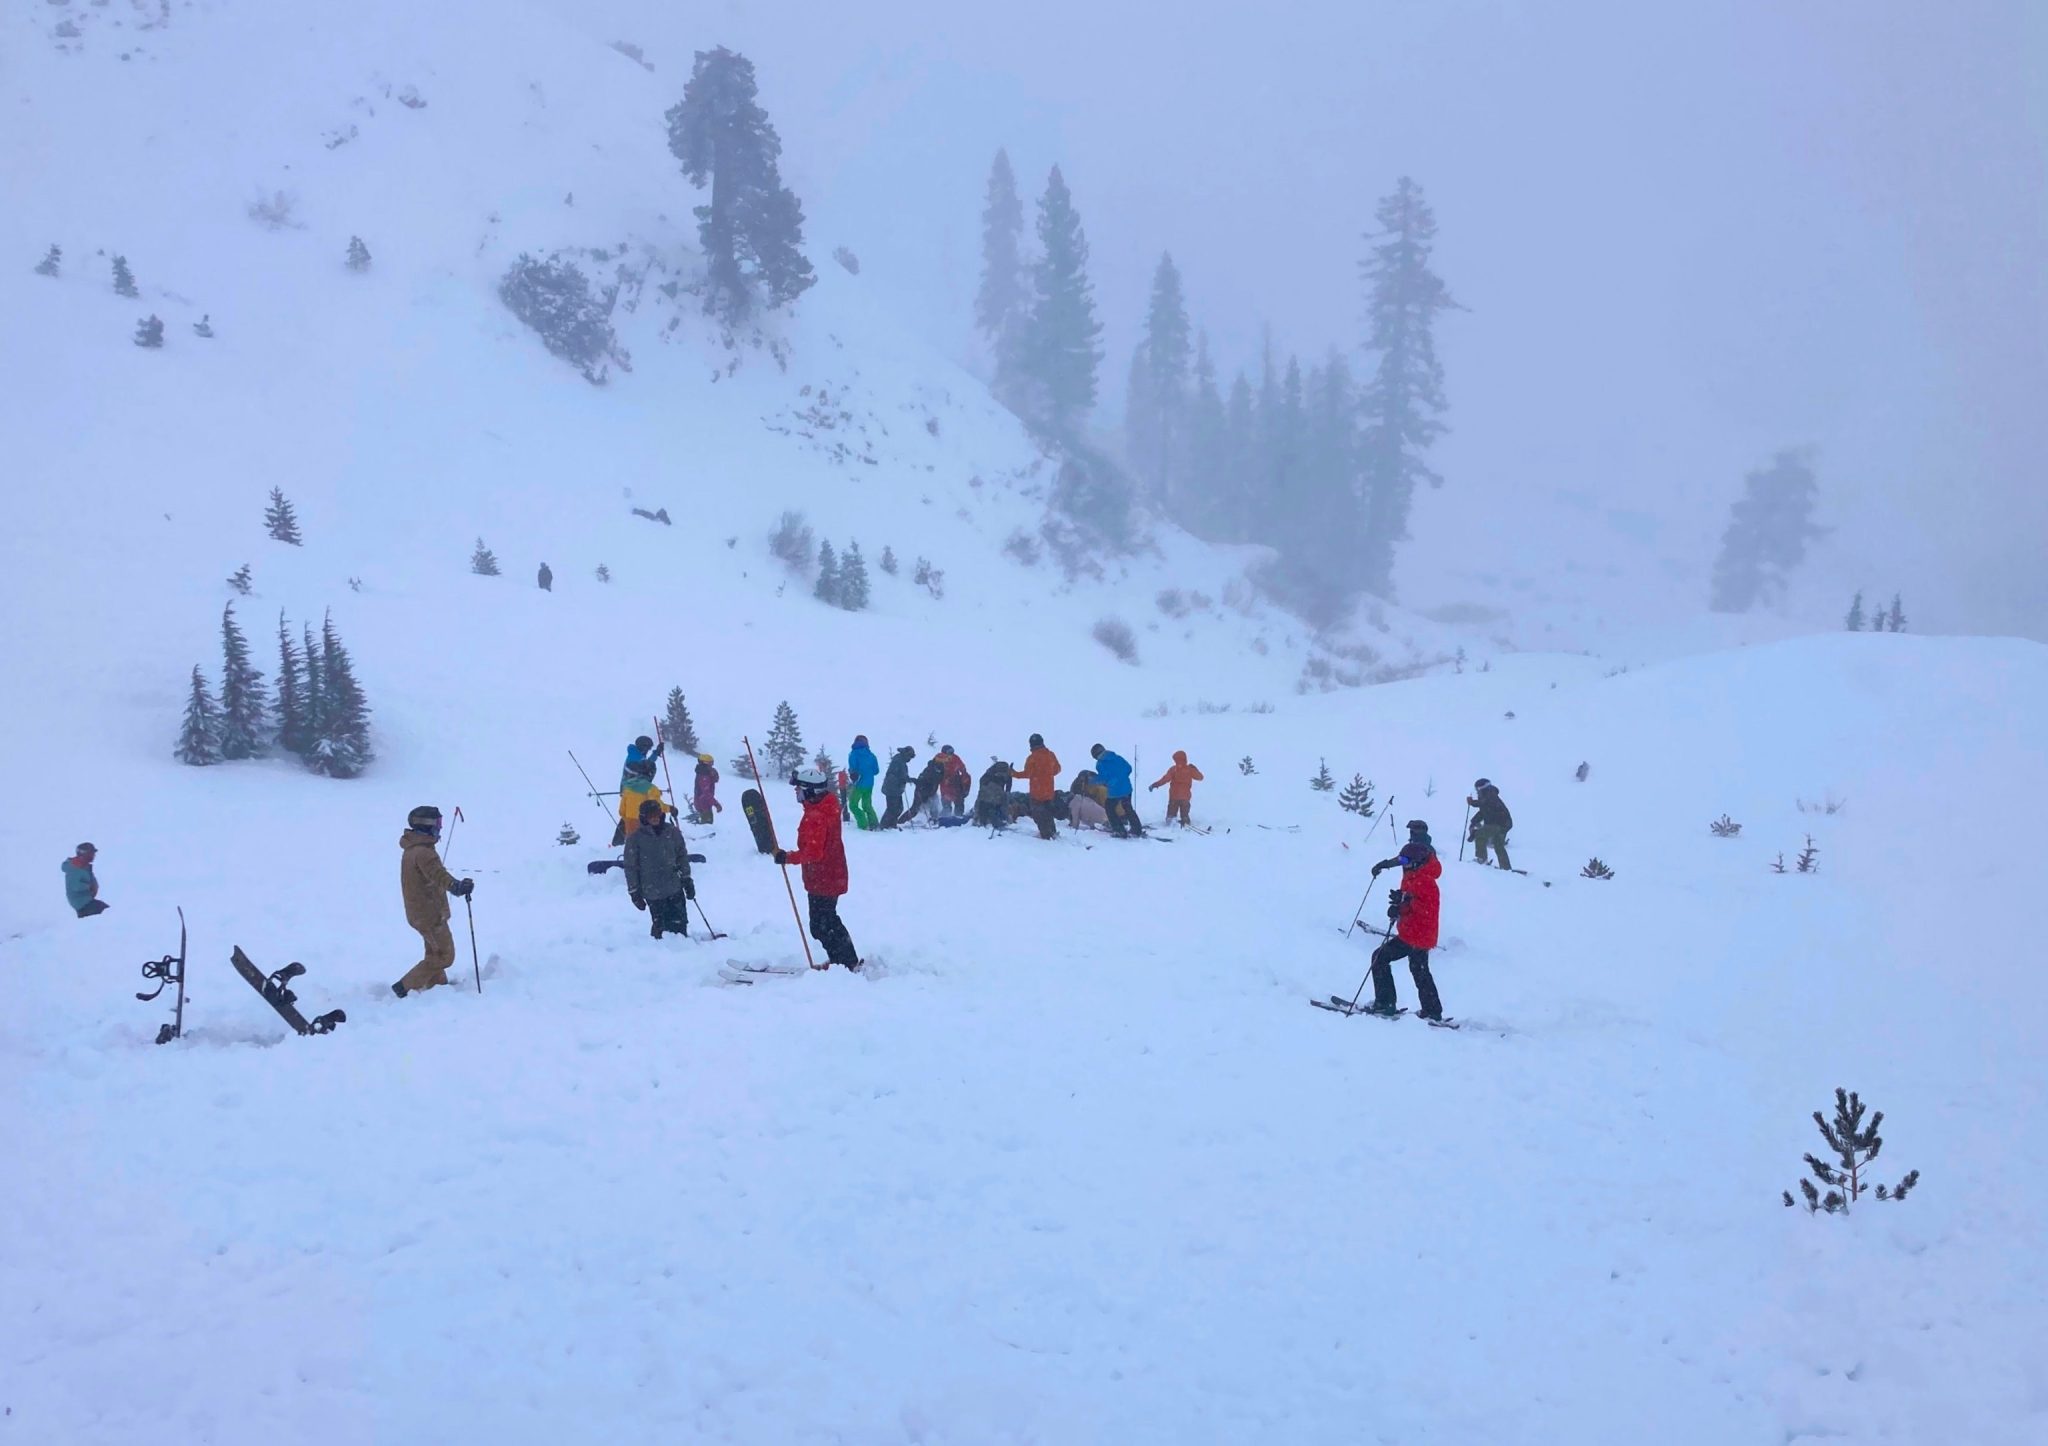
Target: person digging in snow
(861, 769)
(821, 852)
(704, 793)
(1490, 822)
(1412, 909)
(992, 797)
(1180, 781)
(1040, 768)
(928, 780)
(425, 884)
(1114, 771)
(954, 784)
(658, 873)
(81, 885)
(893, 783)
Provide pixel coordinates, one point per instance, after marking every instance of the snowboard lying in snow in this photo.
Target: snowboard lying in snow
(276, 992)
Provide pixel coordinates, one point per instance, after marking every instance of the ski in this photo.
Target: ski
(277, 993)
(734, 972)
(1338, 1004)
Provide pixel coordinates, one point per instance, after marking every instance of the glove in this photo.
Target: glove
(689, 888)
(1378, 869)
(658, 748)
(696, 858)
(464, 888)
(781, 856)
(639, 903)
(1154, 788)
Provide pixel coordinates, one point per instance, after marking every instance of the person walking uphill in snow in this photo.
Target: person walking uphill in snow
(954, 783)
(1115, 772)
(704, 795)
(658, 873)
(1412, 909)
(81, 885)
(1490, 822)
(893, 783)
(861, 769)
(425, 883)
(821, 852)
(1179, 781)
(1038, 772)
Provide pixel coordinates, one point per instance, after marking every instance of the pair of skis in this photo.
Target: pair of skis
(1338, 1004)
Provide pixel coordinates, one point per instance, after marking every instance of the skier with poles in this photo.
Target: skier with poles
(426, 884)
(1490, 823)
(861, 767)
(658, 873)
(821, 852)
(1412, 909)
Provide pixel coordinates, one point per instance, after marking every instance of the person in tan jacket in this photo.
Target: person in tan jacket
(1179, 781)
(426, 884)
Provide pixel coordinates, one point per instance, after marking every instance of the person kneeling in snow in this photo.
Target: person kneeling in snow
(821, 851)
(658, 872)
(81, 886)
(1084, 812)
(1413, 910)
(426, 884)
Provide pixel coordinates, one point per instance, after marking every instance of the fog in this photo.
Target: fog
(1686, 235)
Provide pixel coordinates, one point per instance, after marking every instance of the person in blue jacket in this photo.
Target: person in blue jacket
(861, 767)
(1113, 772)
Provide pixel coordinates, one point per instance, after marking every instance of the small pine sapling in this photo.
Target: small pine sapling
(888, 560)
(741, 769)
(568, 835)
(828, 590)
(50, 264)
(1595, 869)
(822, 761)
(358, 254)
(677, 726)
(124, 279)
(1808, 861)
(1856, 1148)
(783, 749)
(604, 574)
(1583, 772)
(199, 738)
(483, 562)
(853, 579)
(280, 521)
(1724, 827)
(1855, 622)
(1322, 782)
(1778, 864)
(149, 332)
(1357, 797)
(1245, 766)
(204, 326)
(240, 580)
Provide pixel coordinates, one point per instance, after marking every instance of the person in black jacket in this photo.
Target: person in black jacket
(894, 781)
(1490, 822)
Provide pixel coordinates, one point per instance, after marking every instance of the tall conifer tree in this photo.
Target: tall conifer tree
(1061, 352)
(1768, 530)
(241, 693)
(1003, 303)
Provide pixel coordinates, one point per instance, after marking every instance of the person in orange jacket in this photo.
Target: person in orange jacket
(1039, 771)
(1179, 781)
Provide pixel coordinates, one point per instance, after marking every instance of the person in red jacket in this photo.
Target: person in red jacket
(954, 784)
(1412, 909)
(822, 853)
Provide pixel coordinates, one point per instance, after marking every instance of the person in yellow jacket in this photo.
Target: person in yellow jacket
(1179, 782)
(426, 885)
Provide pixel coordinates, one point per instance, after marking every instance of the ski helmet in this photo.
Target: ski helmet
(1038, 740)
(1417, 826)
(86, 848)
(1096, 751)
(643, 743)
(426, 817)
(1481, 785)
(810, 783)
(946, 748)
(703, 758)
(860, 740)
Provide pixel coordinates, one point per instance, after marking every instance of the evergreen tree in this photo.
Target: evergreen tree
(241, 693)
(828, 589)
(1856, 1147)
(677, 727)
(1060, 354)
(823, 762)
(124, 279)
(358, 254)
(1324, 516)
(1895, 620)
(342, 749)
(1855, 622)
(149, 332)
(1202, 477)
(1003, 302)
(604, 574)
(753, 230)
(241, 580)
(1403, 401)
(199, 739)
(313, 690)
(782, 752)
(292, 733)
(1322, 782)
(1160, 386)
(49, 265)
(280, 521)
(888, 560)
(568, 835)
(1357, 797)
(483, 562)
(1768, 530)
(853, 579)
(1231, 505)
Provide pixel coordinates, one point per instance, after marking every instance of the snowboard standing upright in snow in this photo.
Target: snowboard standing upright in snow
(821, 852)
(757, 820)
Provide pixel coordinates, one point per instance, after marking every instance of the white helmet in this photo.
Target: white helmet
(810, 781)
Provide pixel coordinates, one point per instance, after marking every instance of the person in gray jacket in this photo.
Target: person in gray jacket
(658, 872)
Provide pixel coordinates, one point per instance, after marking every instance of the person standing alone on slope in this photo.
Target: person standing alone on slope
(425, 883)
(1040, 769)
(81, 885)
(861, 765)
(704, 795)
(821, 852)
(1490, 823)
(1180, 781)
(1412, 909)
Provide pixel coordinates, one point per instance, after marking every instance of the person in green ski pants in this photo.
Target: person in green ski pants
(861, 768)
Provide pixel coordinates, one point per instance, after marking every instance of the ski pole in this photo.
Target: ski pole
(802, 938)
(594, 794)
(1387, 809)
(1464, 829)
(449, 847)
(707, 923)
(475, 967)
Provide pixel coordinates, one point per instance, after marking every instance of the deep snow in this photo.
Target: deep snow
(1079, 1163)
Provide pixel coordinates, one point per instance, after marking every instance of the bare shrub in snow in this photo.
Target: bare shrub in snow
(275, 210)
(1024, 547)
(1827, 804)
(1116, 635)
(1724, 827)
(792, 543)
(1173, 602)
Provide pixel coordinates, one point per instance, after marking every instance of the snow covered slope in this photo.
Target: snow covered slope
(1078, 1163)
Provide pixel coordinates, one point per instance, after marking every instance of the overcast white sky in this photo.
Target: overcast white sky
(1688, 233)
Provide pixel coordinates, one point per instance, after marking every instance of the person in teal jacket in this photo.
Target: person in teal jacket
(861, 768)
(1114, 773)
(81, 888)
